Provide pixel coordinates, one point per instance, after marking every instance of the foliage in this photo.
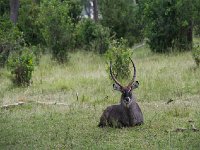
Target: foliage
(196, 55)
(37, 51)
(21, 65)
(4, 7)
(85, 32)
(197, 29)
(28, 22)
(168, 24)
(161, 26)
(11, 39)
(123, 18)
(102, 39)
(196, 20)
(185, 18)
(92, 36)
(57, 28)
(119, 55)
(75, 9)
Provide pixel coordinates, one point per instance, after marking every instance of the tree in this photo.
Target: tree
(169, 24)
(92, 36)
(75, 9)
(57, 28)
(185, 18)
(14, 7)
(95, 10)
(27, 22)
(196, 21)
(160, 24)
(4, 7)
(121, 16)
(91, 9)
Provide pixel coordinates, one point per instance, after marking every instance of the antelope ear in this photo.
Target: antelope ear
(135, 85)
(117, 87)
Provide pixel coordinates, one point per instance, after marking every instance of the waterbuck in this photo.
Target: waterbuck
(128, 112)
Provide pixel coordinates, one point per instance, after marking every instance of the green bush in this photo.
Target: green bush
(123, 17)
(21, 65)
(4, 7)
(196, 55)
(10, 39)
(119, 55)
(92, 36)
(161, 26)
(102, 40)
(168, 25)
(85, 32)
(75, 9)
(57, 28)
(27, 22)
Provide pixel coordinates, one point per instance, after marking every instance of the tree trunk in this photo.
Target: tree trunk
(95, 10)
(14, 7)
(88, 10)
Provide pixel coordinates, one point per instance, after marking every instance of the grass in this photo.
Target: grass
(74, 126)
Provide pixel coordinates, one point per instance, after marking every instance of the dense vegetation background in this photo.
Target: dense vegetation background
(54, 76)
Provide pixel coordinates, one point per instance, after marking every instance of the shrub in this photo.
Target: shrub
(196, 55)
(75, 9)
(10, 39)
(161, 28)
(102, 40)
(119, 55)
(21, 65)
(27, 22)
(92, 36)
(168, 25)
(123, 17)
(57, 28)
(4, 7)
(85, 32)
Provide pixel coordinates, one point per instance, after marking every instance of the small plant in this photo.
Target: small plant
(119, 55)
(21, 66)
(196, 55)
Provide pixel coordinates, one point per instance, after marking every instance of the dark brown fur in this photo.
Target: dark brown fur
(121, 115)
(128, 112)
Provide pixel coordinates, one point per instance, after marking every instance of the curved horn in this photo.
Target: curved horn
(113, 77)
(134, 74)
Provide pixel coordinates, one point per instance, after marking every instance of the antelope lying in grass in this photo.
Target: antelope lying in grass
(128, 112)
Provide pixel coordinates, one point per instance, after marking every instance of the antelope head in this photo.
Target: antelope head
(127, 97)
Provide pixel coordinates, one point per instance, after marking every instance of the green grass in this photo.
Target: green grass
(74, 125)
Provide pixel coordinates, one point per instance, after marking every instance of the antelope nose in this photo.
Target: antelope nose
(127, 99)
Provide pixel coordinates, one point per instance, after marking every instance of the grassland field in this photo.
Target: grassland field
(63, 105)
